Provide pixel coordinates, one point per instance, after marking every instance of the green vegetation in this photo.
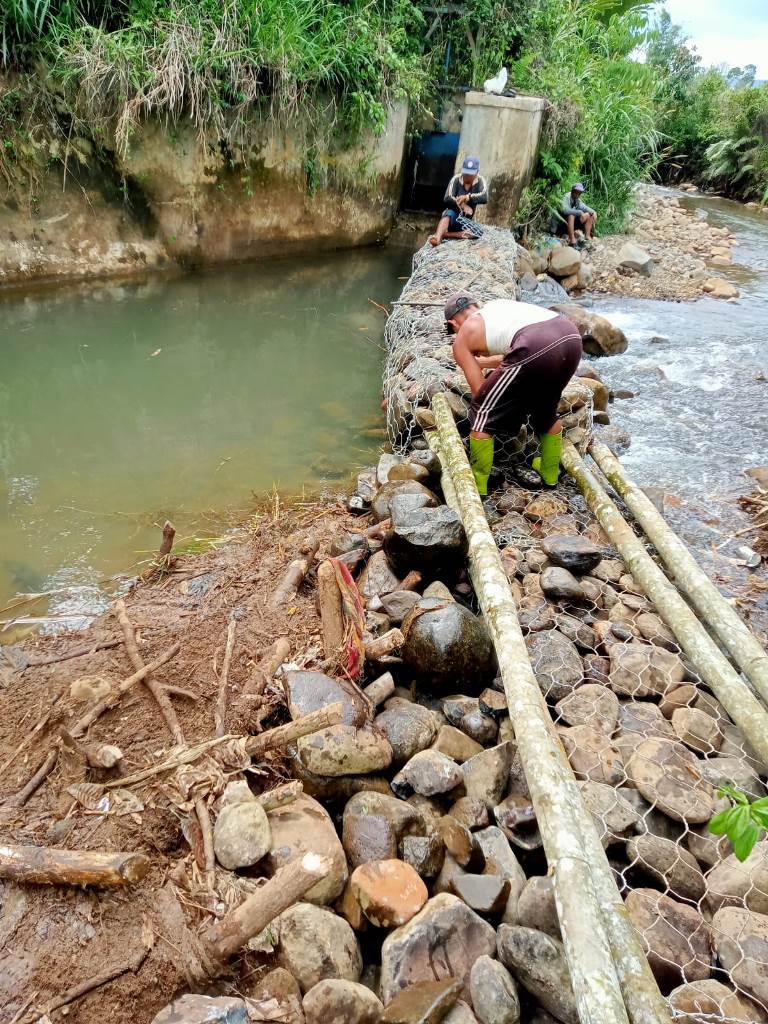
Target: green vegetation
(95, 69)
(714, 121)
(743, 822)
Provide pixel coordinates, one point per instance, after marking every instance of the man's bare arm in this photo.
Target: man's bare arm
(467, 345)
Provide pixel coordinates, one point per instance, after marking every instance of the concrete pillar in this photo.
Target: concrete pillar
(503, 133)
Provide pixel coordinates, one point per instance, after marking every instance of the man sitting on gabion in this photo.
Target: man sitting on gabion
(465, 192)
(533, 353)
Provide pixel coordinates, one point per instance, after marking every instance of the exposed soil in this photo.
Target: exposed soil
(54, 937)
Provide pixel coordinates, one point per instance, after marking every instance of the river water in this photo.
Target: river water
(699, 371)
(122, 404)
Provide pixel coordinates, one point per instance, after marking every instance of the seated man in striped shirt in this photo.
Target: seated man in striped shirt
(465, 192)
(533, 353)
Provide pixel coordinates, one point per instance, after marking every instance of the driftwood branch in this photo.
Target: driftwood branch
(225, 938)
(221, 703)
(201, 810)
(282, 735)
(163, 701)
(44, 865)
(264, 672)
(331, 609)
(385, 644)
(164, 551)
(380, 689)
(294, 577)
(281, 795)
(80, 652)
(39, 777)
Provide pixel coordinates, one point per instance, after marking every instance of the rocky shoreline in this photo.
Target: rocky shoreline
(434, 901)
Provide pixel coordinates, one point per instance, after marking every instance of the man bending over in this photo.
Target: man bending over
(465, 192)
(533, 353)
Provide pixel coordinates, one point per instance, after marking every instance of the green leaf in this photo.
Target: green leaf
(734, 794)
(745, 842)
(720, 824)
(759, 816)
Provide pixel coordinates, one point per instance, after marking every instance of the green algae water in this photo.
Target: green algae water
(122, 404)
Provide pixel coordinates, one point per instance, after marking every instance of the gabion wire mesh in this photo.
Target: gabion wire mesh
(646, 739)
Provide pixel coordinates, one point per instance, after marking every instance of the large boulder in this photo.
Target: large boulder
(564, 261)
(598, 335)
(444, 641)
(675, 936)
(741, 940)
(304, 826)
(315, 943)
(632, 257)
(345, 750)
(431, 540)
(443, 940)
(538, 963)
(334, 1001)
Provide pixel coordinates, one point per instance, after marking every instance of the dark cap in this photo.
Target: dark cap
(456, 302)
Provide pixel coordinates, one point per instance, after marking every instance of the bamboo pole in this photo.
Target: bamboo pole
(713, 608)
(707, 658)
(561, 818)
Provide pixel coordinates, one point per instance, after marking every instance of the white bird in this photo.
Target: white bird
(496, 85)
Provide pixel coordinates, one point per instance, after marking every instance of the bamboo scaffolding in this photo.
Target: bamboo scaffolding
(713, 608)
(609, 973)
(709, 661)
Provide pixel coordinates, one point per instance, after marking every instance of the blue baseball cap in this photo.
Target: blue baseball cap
(471, 165)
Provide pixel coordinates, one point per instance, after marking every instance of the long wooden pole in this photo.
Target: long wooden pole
(561, 817)
(707, 658)
(44, 865)
(733, 632)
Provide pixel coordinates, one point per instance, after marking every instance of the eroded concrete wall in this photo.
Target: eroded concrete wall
(503, 132)
(171, 201)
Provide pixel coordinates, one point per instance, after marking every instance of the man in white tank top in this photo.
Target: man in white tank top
(533, 353)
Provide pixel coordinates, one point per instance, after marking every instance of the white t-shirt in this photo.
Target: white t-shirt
(504, 318)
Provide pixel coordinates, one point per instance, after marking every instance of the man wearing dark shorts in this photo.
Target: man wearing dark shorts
(533, 353)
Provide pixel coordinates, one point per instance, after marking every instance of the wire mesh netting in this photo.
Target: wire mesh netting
(648, 742)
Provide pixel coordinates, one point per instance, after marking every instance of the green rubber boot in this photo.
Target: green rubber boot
(548, 464)
(481, 461)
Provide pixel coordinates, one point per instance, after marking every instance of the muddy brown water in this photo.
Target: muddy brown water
(122, 404)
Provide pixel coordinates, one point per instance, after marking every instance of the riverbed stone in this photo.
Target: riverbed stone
(487, 894)
(598, 335)
(304, 826)
(373, 824)
(593, 756)
(564, 260)
(494, 992)
(425, 854)
(720, 289)
(280, 990)
(666, 773)
(500, 859)
(556, 663)
(591, 704)
(675, 936)
(576, 630)
(644, 718)
(345, 750)
(460, 1013)
(470, 812)
(733, 771)
(544, 506)
(707, 849)
(741, 940)
(614, 817)
(408, 471)
(444, 641)
(537, 908)
(697, 730)
(196, 1009)
(241, 835)
(572, 552)
(681, 697)
(455, 743)
(428, 773)
(409, 727)
(561, 585)
(669, 863)
(390, 892)
(642, 670)
(397, 604)
(334, 1001)
(315, 944)
(710, 1002)
(655, 631)
(424, 1003)
(310, 691)
(377, 578)
(632, 257)
(486, 774)
(537, 962)
(735, 883)
(431, 540)
(465, 713)
(381, 506)
(444, 939)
